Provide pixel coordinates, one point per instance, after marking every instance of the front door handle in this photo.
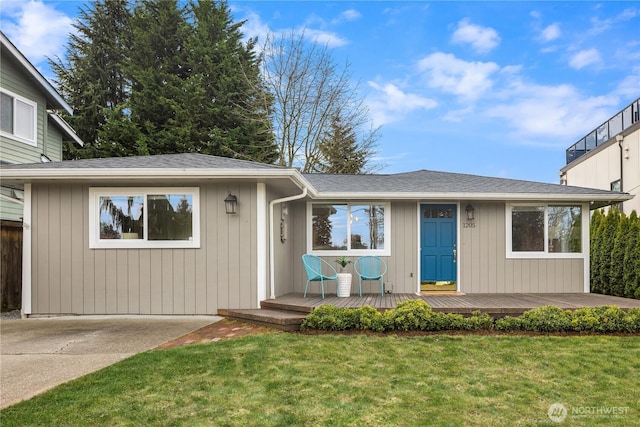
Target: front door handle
(455, 255)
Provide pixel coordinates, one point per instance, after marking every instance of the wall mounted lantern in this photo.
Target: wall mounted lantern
(471, 213)
(231, 203)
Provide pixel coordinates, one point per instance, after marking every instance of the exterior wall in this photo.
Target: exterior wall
(599, 168)
(484, 267)
(69, 278)
(49, 138)
(402, 268)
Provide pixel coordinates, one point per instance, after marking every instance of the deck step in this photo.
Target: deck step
(285, 320)
(274, 304)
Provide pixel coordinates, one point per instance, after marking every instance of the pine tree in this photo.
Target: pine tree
(595, 245)
(616, 271)
(91, 78)
(163, 78)
(157, 67)
(631, 262)
(608, 229)
(339, 150)
(229, 105)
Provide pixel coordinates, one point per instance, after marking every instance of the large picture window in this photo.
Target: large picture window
(344, 228)
(18, 117)
(144, 218)
(539, 230)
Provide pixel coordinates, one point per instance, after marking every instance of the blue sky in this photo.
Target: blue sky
(488, 88)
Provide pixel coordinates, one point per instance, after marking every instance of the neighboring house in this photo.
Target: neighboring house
(30, 128)
(609, 157)
(151, 235)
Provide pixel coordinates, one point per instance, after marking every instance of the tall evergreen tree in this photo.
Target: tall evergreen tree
(339, 150)
(91, 77)
(157, 68)
(165, 77)
(608, 230)
(230, 106)
(594, 249)
(616, 270)
(631, 261)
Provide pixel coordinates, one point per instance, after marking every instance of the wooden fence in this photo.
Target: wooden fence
(10, 265)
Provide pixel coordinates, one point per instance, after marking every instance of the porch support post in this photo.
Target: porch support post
(586, 248)
(26, 252)
(261, 243)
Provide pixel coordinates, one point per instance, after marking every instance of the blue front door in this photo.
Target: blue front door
(438, 243)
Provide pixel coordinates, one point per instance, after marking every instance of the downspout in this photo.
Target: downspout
(620, 139)
(272, 273)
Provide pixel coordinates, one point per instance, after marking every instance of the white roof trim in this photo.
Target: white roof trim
(127, 174)
(66, 128)
(44, 83)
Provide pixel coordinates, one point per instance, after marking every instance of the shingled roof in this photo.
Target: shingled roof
(426, 181)
(418, 185)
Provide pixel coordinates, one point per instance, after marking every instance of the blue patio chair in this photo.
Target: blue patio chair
(371, 268)
(313, 265)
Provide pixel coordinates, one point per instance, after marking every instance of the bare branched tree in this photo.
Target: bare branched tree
(309, 91)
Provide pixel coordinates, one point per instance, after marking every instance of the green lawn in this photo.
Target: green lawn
(354, 380)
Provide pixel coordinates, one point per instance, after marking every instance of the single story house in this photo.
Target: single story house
(191, 233)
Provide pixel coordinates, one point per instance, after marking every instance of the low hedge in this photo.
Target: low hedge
(417, 315)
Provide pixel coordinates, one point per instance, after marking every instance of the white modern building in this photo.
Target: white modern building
(608, 157)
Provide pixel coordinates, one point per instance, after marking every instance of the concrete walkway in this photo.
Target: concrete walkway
(38, 354)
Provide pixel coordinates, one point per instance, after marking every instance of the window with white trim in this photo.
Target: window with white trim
(18, 117)
(542, 230)
(349, 228)
(166, 217)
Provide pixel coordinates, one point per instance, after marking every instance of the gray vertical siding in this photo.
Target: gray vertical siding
(68, 277)
(486, 269)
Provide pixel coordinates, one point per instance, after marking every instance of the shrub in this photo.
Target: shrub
(477, 321)
(368, 318)
(508, 324)
(417, 315)
(547, 318)
(410, 315)
(631, 321)
(326, 317)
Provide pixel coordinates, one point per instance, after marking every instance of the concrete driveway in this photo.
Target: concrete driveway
(38, 354)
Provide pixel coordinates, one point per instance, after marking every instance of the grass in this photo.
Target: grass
(352, 380)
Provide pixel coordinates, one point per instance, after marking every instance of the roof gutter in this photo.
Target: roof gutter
(272, 203)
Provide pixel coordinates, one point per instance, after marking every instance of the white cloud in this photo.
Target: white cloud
(601, 25)
(549, 115)
(389, 103)
(550, 32)
(322, 37)
(629, 87)
(482, 39)
(254, 26)
(585, 58)
(38, 30)
(347, 16)
(468, 80)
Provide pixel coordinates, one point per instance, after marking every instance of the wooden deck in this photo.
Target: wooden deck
(287, 312)
(494, 304)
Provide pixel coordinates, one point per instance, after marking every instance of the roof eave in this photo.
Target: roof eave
(129, 174)
(52, 93)
(65, 127)
(515, 197)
